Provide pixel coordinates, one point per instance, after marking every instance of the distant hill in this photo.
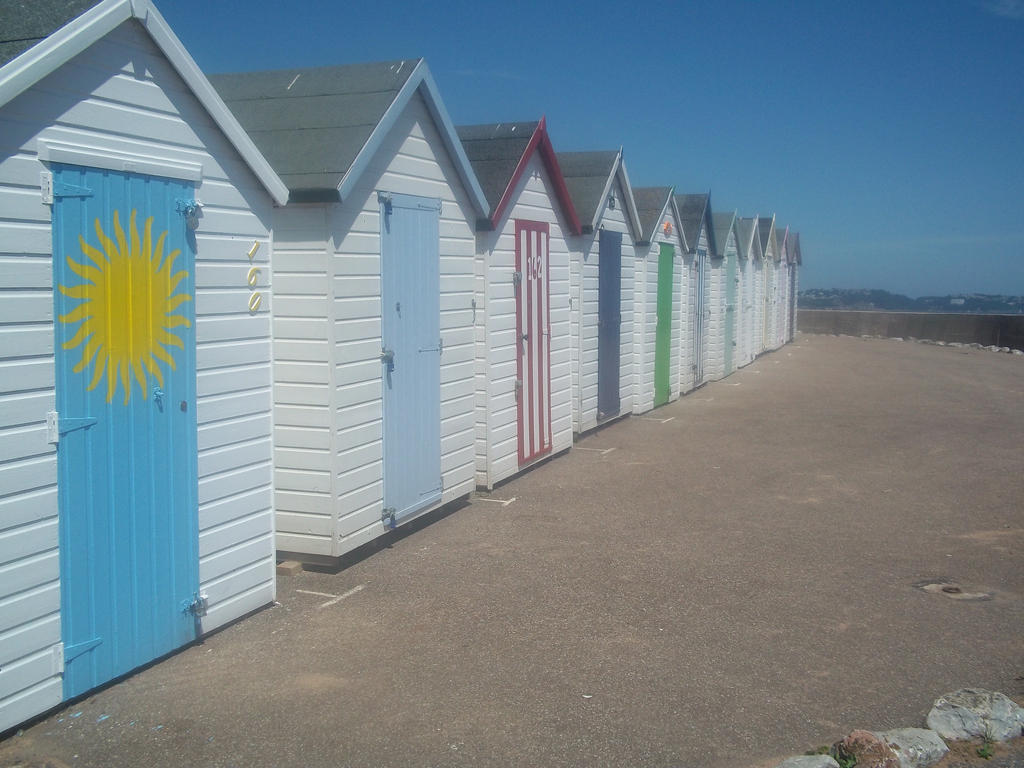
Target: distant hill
(867, 299)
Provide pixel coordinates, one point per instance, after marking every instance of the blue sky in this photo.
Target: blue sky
(890, 134)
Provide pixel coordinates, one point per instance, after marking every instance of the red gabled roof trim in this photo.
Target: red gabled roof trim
(542, 143)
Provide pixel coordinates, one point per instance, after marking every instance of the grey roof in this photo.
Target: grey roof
(586, 174)
(691, 209)
(794, 249)
(722, 223)
(764, 231)
(311, 123)
(23, 23)
(745, 234)
(494, 151)
(650, 202)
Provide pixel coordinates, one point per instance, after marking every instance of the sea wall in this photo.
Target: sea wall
(997, 330)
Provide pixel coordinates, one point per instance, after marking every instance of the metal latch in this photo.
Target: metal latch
(387, 356)
(197, 606)
(517, 279)
(388, 517)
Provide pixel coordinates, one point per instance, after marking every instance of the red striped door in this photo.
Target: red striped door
(533, 368)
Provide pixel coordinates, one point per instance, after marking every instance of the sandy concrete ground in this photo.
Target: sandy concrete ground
(725, 582)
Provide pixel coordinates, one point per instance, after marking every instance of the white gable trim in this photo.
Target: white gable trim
(679, 222)
(67, 42)
(419, 80)
(619, 172)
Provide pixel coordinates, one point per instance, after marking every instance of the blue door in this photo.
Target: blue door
(125, 423)
(609, 322)
(411, 353)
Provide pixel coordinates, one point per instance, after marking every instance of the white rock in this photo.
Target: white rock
(809, 761)
(915, 747)
(974, 713)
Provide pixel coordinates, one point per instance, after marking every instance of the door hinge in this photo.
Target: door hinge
(439, 348)
(519, 387)
(517, 279)
(384, 198)
(74, 651)
(51, 190)
(58, 659)
(388, 517)
(56, 426)
(197, 606)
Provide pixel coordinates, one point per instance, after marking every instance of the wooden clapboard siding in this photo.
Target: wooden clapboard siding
(585, 287)
(411, 160)
(302, 329)
(495, 370)
(122, 95)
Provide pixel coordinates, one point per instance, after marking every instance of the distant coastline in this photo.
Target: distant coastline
(877, 299)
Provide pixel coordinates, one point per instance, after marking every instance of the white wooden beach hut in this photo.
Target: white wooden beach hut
(373, 288)
(523, 339)
(135, 354)
(782, 283)
(601, 284)
(795, 260)
(769, 250)
(658, 310)
(745, 233)
(699, 235)
(724, 282)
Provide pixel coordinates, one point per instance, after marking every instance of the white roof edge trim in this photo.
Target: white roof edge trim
(95, 157)
(634, 217)
(454, 144)
(182, 61)
(420, 78)
(679, 222)
(31, 66)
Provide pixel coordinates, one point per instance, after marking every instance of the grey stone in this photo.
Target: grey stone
(865, 750)
(974, 713)
(1016, 352)
(915, 747)
(809, 761)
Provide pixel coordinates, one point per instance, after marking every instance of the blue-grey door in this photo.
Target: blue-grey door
(125, 423)
(411, 353)
(609, 322)
(700, 316)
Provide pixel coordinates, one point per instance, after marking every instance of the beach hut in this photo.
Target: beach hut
(523, 339)
(657, 300)
(795, 260)
(698, 234)
(724, 281)
(601, 284)
(373, 292)
(782, 281)
(135, 417)
(746, 240)
(769, 250)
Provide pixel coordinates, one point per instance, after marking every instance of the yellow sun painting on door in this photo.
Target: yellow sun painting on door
(129, 307)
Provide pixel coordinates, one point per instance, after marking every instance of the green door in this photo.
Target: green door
(663, 335)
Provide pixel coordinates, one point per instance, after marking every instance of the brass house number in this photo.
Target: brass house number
(253, 279)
